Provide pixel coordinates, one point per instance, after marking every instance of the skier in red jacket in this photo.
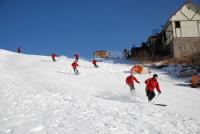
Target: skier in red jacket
(53, 56)
(74, 66)
(94, 62)
(130, 82)
(76, 56)
(151, 84)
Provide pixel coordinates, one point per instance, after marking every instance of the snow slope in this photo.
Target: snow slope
(38, 96)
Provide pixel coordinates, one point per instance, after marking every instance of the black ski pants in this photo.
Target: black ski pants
(150, 94)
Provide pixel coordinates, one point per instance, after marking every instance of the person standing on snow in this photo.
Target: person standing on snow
(19, 49)
(53, 56)
(76, 56)
(130, 82)
(94, 62)
(151, 84)
(74, 66)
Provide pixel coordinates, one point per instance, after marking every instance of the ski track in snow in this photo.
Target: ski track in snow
(39, 96)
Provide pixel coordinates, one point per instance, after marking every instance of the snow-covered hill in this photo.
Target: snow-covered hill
(38, 96)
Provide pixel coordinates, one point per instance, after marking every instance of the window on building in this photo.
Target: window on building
(177, 24)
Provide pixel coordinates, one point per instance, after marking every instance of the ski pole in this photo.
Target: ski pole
(156, 98)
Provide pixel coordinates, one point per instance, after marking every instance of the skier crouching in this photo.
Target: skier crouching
(74, 66)
(130, 82)
(151, 84)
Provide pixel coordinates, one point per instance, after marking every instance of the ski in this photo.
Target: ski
(163, 105)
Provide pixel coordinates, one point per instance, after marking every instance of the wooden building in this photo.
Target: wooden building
(181, 34)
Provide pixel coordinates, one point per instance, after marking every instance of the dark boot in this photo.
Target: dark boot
(132, 88)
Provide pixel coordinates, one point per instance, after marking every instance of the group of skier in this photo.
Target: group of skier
(151, 85)
(75, 63)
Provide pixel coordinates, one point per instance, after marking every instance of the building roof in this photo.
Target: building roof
(188, 2)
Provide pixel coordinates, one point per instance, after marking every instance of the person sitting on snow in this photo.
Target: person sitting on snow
(130, 82)
(74, 66)
(151, 84)
(94, 62)
(53, 56)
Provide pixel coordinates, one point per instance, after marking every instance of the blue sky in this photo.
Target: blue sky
(69, 26)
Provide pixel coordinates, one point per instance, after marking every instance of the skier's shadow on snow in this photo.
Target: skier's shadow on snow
(120, 98)
(65, 73)
(86, 67)
(183, 84)
(46, 61)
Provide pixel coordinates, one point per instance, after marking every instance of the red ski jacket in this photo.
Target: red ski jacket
(53, 55)
(75, 64)
(94, 62)
(151, 84)
(130, 80)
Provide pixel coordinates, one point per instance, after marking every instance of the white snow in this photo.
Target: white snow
(39, 96)
(39, 128)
